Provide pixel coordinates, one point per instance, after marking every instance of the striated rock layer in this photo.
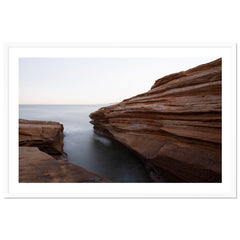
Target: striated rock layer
(46, 135)
(175, 126)
(36, 166)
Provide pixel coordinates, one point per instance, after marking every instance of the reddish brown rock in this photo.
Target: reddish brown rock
(175, 126)
(46, 135)
(36, 166)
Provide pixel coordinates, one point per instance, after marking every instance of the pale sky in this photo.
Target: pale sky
(93, 80)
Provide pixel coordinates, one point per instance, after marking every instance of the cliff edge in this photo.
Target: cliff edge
(175, 127)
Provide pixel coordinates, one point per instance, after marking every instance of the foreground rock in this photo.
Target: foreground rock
(175, 126)
(36, 166)
(41, 156)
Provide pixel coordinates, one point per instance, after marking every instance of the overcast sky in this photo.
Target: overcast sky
(93, 80)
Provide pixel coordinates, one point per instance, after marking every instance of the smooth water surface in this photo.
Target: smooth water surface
(97, 154)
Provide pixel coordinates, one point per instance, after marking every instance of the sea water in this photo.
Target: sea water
(103, 156)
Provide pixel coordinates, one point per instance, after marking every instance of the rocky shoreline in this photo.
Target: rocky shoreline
(175, 127)
(41, 156)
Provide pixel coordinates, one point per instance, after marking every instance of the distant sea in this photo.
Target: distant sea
(103, 156)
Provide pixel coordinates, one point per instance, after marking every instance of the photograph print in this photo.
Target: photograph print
(120, 120)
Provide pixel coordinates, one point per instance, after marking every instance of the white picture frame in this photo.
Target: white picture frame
(226, 189)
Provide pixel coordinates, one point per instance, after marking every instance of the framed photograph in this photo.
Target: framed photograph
(120, 121)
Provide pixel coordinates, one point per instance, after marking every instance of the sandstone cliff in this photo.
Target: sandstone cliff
(41, 156)
(175, 126)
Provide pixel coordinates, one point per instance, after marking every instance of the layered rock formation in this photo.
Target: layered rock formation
(175, 126)
(41, 156)
(46, 135)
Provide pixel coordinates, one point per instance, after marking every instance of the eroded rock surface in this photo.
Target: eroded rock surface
(36, 166)
(175, 126)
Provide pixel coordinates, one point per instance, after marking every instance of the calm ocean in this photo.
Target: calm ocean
(100, 155)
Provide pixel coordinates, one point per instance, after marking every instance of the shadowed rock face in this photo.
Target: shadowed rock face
(175, 126)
